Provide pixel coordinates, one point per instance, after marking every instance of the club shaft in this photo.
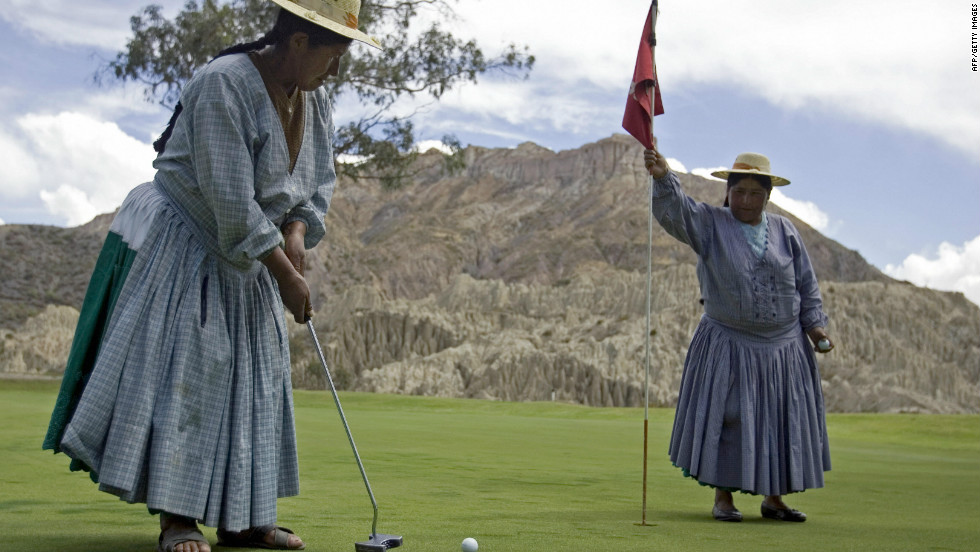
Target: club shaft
(340, 409)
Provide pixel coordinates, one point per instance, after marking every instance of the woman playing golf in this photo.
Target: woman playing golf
(177, 392)
(750, 414)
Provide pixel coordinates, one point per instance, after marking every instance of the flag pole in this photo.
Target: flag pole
(646, 378)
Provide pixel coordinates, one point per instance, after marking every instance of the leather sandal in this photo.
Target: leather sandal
(255, 538)
(177, 535)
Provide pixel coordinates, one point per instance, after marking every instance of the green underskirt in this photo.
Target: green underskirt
(107, 280)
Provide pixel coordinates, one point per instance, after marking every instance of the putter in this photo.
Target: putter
(376, 542)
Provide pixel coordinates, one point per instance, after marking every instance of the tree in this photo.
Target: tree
(163, 54)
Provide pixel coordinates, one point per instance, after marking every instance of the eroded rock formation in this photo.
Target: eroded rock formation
(523, 278)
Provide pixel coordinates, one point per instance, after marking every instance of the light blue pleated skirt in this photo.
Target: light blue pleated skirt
(188, 406)
(750, 414)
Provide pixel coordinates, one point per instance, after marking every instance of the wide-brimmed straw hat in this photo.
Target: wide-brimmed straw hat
(340, 16)
(751, 163)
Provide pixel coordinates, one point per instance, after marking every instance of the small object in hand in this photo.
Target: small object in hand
(823, 345)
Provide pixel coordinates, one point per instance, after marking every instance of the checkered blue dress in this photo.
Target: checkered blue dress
(178, 391)
(750, 414)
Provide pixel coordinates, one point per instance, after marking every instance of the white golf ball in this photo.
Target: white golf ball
(823, 344)
(470, 544)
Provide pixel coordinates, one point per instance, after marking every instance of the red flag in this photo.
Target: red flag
(636, 120)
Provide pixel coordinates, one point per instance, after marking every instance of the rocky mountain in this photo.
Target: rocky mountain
(523, 278)
(41, 265)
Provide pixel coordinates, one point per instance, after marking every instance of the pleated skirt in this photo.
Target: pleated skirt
(750, 414)
(178, 392)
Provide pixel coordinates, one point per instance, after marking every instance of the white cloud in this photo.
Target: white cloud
(70, 203)
(116, 101)
(827, 58)
(79, 165)
(584, 42)
(852, 59)
(20, 175)
(528, 105)
(807, 211)
(953, 269)
(676, 165)
(437, 145)
(98, 23)
(348, 159)
(706, 173)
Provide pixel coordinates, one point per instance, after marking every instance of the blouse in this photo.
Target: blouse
(226, 165)
(769, 294)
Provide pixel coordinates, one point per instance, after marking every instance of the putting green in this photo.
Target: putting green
(522, 477)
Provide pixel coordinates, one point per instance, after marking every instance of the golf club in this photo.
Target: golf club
(376, 542)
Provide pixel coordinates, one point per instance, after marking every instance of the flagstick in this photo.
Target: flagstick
(646, 378)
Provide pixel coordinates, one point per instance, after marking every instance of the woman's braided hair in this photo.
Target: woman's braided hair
(286, 25)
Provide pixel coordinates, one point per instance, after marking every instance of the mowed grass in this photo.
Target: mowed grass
(524, 477)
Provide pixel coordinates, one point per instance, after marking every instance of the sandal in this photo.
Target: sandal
(177, 535)
(255, 538)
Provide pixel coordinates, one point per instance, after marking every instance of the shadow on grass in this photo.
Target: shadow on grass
(675, 516)
(64, 541)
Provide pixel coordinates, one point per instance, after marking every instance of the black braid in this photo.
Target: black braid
(269, 39)
(161, 142)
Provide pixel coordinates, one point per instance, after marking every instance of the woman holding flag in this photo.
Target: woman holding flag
(750, 414)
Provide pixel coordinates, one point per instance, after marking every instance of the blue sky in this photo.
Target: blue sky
(871, 108)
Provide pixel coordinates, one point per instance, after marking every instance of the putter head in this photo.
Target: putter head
(378, 543)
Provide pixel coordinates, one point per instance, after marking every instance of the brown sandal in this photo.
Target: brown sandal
(178, 535)
(255, 538)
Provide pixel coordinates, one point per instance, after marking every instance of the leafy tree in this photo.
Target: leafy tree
(162, 54)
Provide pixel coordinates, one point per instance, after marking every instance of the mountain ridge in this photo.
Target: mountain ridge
(522, 277)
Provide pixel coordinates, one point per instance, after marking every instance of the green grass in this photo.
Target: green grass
(523, 477)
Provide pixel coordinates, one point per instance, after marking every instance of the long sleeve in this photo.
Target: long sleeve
(227, 163)
(682, 217)
(224, 167)
(739, 288)
(811, 303)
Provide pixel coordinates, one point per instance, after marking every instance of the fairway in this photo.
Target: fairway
(523, 477)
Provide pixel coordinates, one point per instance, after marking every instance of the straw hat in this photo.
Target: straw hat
(340, 16)
(751, 163)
